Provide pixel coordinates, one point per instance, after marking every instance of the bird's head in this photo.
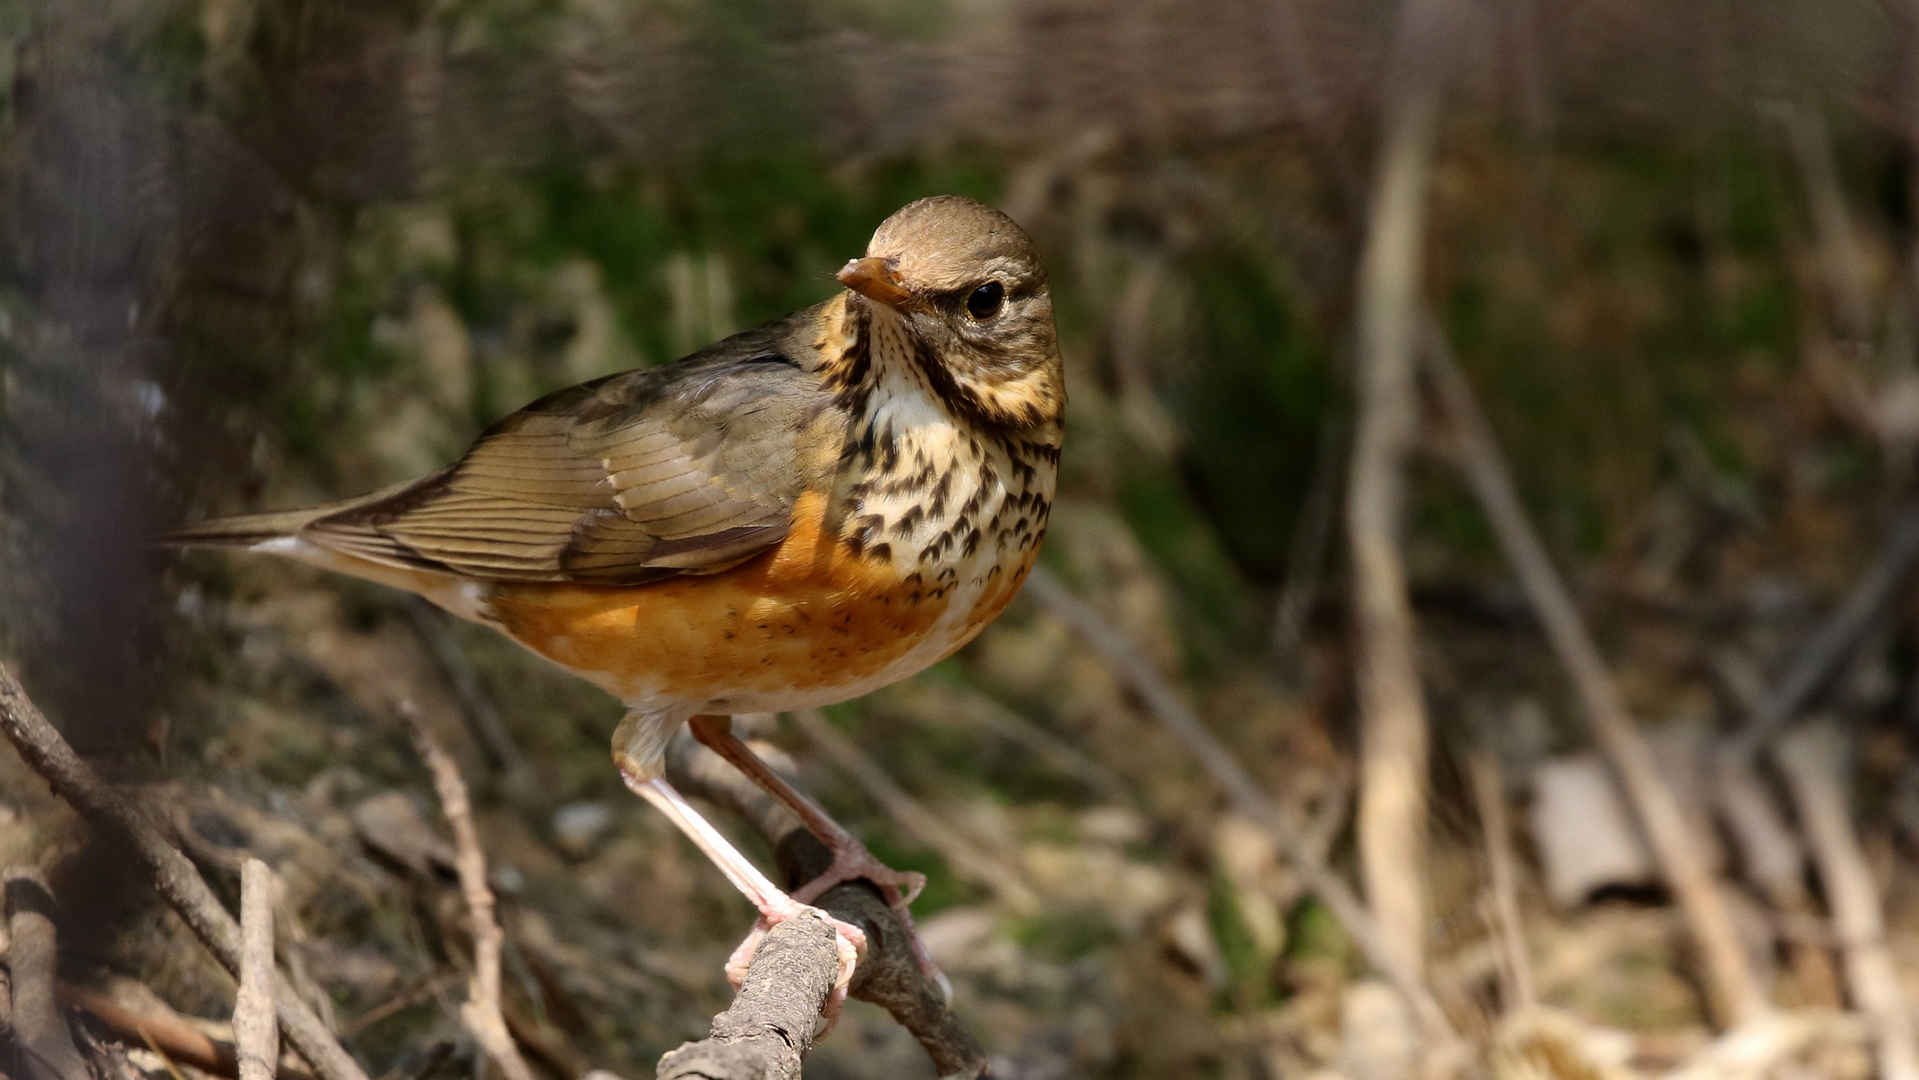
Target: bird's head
(968, 288)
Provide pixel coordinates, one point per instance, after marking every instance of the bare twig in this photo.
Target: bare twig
(1820, 658)
(1813, 763)
(978, 711)
(962, 854)
(1490, 794)
(1733, 992)
(769, 1027)
(256, 1031)
(1394, 733)
(33, 952)
(171, 1036)
(888, 975)
(173, 875)
(481, 1012)
(1756, 1049)
(1306, 553)
(1843, 264)
(1131, 667)
(1769, 850)
(482, 719)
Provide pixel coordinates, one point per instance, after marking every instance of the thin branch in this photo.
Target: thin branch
(172, 874)
(966, 857)
(1756, 1049)
(1306, 552)
(482, 719)
(1130, 666)
(1395, 737)
(1731, 987)
(769, 1027)
(481, 1012)
(256, 1031)
(1769, 849)
(1813, 761)
(1815, 663)
(33, 952)
(977, 711)
(1841, 256)
(889, 975)
(177, 1040)
(1489, 792)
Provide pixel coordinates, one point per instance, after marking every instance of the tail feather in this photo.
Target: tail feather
(246, 530)
(242, 530)
(305, 535)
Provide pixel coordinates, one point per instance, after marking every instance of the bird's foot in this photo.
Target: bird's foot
(899, 888)
(850, 940)
(852, 862)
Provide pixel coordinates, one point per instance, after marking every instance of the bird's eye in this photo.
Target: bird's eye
(985, 301)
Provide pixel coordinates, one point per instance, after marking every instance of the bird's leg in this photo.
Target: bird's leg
(851, 860)
(638, 748)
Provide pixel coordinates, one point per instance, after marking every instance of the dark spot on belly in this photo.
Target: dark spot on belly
(937, 547)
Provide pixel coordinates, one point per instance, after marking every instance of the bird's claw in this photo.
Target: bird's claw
(848, 940)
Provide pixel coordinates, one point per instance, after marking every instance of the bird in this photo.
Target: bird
(791, 517)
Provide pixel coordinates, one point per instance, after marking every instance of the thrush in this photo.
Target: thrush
(792, 517)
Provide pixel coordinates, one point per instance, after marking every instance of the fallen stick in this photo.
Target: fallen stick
(1731, 988)
(1490, 795)
(1816, 661)
(39, 1025)
(1395, 735)
(1813, 761)
(1130, 666)
(256, 1031)
(172, 874)
(481, 1011)
(179, 1041)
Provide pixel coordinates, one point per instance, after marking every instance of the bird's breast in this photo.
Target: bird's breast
(927, 531)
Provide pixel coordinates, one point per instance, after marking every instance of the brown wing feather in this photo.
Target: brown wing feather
(632, 477)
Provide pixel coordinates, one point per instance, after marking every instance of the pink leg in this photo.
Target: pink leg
(851, 860)
(774, 905)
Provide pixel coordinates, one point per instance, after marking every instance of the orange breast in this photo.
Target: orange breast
(806, 616)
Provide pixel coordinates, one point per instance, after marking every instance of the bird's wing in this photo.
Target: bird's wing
(626, 479)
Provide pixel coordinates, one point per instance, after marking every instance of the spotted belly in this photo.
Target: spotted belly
(809, 622)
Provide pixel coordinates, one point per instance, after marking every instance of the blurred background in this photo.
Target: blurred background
(259, 253)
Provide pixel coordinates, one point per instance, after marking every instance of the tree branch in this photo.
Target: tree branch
(1289, 835)
(1394, 738)
(793, 980)
(1732, 990)
(481, 1012)
(39, 1025)
(172, 874)
(769, 1027)
(1813, 761)
(1823, 654)
(256, 1031)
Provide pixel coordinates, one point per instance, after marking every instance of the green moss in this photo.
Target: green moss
(1313, 933)
(1249, 968)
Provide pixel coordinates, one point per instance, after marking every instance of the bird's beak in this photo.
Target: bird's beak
(875, 278)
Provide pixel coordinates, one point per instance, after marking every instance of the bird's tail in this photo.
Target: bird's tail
(305, 535)
(242, 530)
(252, 530)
